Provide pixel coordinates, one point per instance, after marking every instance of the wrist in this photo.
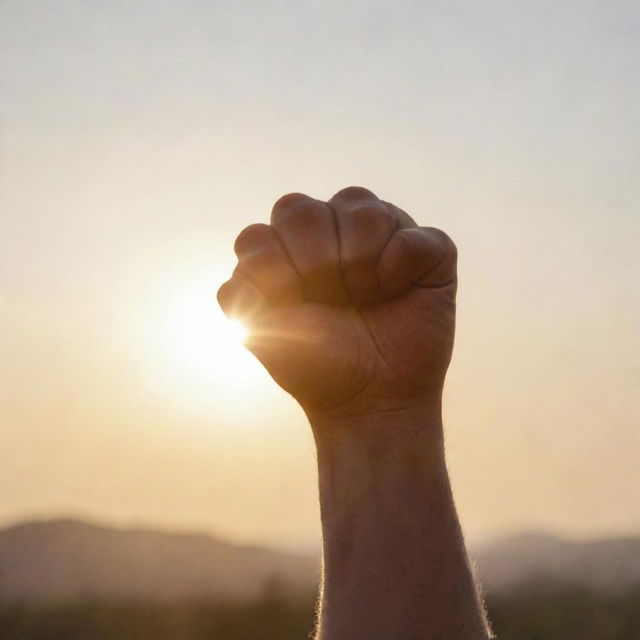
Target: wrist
(386, 456)
(381, 433)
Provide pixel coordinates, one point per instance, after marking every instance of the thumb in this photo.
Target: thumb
(418, 257)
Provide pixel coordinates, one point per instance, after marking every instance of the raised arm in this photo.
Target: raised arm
(351, 308)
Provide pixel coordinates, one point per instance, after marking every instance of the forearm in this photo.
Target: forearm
(395, 565)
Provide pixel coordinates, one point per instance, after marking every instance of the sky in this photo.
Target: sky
(137, 140)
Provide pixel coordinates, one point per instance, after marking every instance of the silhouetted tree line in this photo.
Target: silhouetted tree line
(535, 613)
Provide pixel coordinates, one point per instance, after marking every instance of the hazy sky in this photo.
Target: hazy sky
(138, 138)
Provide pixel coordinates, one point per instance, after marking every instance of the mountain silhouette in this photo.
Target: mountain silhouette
(70, 560)
(66, 560)
(606, 565)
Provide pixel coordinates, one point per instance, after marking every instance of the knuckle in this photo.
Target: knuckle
(404, 248)
(365, 231)
(403, 240)
(223, 293)
(402, 219)
(251, 262)
(226, 293)
(449, 247)
(372, 216)
(354, 193)
(252, 237)
(290, 203)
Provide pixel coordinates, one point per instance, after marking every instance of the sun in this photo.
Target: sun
(198, 354)
(236, 331)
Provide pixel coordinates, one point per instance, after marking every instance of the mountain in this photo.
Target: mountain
(68, 560)
(602, 565)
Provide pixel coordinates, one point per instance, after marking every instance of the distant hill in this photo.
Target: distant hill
(67, 560)
(603, 565)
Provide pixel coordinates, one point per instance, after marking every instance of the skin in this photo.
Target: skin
(350, 306)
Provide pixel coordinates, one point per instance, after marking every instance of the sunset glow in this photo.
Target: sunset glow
(139, 140)
(196, 352)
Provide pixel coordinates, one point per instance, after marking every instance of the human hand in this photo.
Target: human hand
(349, 304)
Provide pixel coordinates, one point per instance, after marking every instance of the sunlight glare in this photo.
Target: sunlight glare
(199, 353)
(237, 331)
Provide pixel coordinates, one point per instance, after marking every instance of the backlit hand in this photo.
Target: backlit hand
(349, 304)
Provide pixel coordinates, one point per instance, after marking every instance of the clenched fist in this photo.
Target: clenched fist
(350, 305)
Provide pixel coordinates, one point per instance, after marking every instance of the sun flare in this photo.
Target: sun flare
(198, 352)
(236, 331)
